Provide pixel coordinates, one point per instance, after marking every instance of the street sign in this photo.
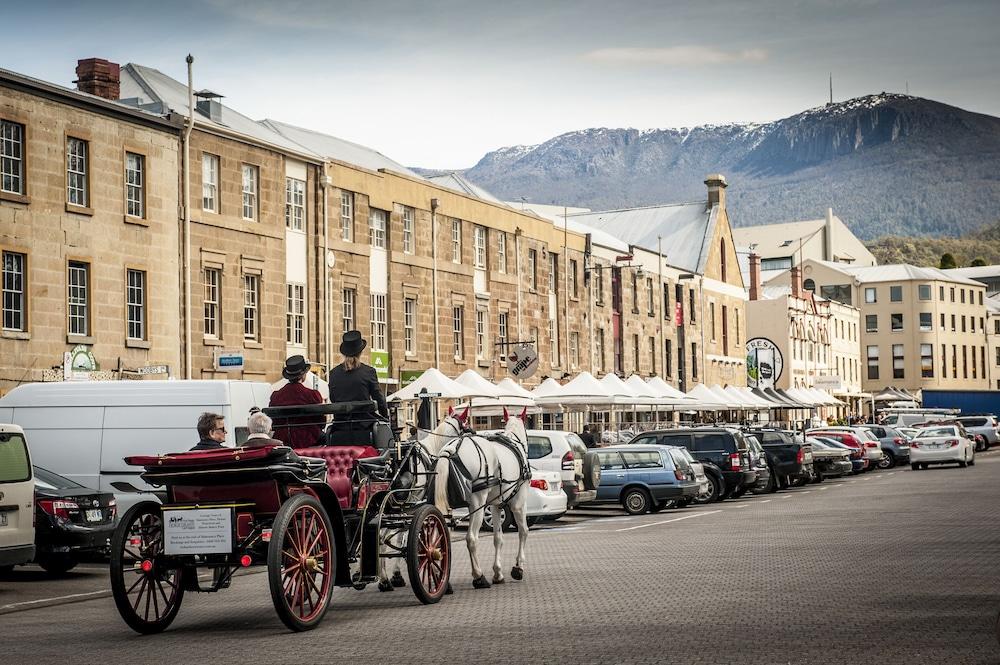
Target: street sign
(828, 382)
(522, 361)
(229, 361)
(152, 369)
(380, 361)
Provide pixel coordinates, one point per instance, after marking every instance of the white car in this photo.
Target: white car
(17, 499)
(546, 501)
(941, 444)
(873, 447)
(697, 467)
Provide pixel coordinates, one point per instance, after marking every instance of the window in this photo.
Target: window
(539, 447)
(295, 204)
(572, 279)
(652, 355)
(479, 245)
(872, 356)
(408, 223)
(502, 335)
(643, 460)
(942, 320)
(574, 349)
(963, 323)
(896, 321)
(954, 361)
(347, 216)
(635, 353)
(965, 362)
(553, 272)
(250, 192)
(691, 305)
(838, 292)
(135, 304)
(295, 315)
(694, 360)
(941, 293)
(209, 182)
(598, 274)
(961, 293)
(924, 292)
(553, 343)
(14, 306)
(251, 303)
(980, 298)
(895, 294)
(666, 300)
(376, 227)
(809, 285)
(635, 292)
(456, 327)
(78, 298)
(409, 326)
(76, 172)
(135, 204)
(599, 349)
(213, 311)
(532, 269)
(711, 319)
(783, 263)
(668, 358)
(501, 252)
(926, 361)
(898, 362)
(378, 322)
(481, 315)
(456, 241)
(871, 295)
(736, 320)
(926, 321)
(725, 330)
(944, 361)
(871, 323)
(953, 328)
(952, 290)
(996, 326)
(650, 298)
(11, 157)
(722, 258)
(350, 303)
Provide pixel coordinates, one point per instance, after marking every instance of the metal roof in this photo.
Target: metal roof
(461, 184)
(974, 272)
(331, 147)
(898, 272)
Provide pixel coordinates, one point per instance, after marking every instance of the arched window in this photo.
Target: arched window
(809, 285)
(722, 257)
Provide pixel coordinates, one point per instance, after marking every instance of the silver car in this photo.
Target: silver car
(984, 426)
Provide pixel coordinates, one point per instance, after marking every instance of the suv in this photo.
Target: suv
(645, 478)
(726, 450)
(895, 446)
(564, 452)
(17, 500)
(789, 457)
(984, 426)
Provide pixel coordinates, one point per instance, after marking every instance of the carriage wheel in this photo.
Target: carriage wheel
(301, 562)
(147, 591)
(428, 554)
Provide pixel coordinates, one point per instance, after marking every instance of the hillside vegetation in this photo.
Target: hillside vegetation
(983, 244)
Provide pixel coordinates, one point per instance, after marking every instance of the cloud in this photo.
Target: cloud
(675, 56)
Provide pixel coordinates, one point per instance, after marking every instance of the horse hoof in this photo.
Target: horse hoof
(481, 583)
(448, 590)
(397, 580)
(497, 579)
(385, 585)
(517, 573)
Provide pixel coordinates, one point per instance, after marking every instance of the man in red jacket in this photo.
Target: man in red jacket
(297, 431)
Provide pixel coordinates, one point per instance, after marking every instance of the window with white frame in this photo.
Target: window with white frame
(209, 182)
(251, 307)
(501, 252)
(78, 298)
(553, 343)
(456, 240)
(295, 316)
(410, 326)
(652, 355)
(532, 269)
(135, 303)
(295, 204)
(572, 278)
(250, 192)
(347, 216)
(378, 322)
(599, 349)
(76, 172)
(479, 241)
(213, 309)
(350, 302)
(650, 298)
(574, 349)
(481, 319)
(409, 243)
(376, 227)
(598, 276)
(553, 272)
(14, 306)
(135, 179)
(635, 353)
(457, 313)
(11, 157)
(502, 335)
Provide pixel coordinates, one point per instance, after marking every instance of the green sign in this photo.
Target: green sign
(380, 361)
(82, 360)
(408, 376)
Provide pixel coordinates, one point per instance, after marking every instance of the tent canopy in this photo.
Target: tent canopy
(663, 389)
(474, 380)
(705, 399)
(582, 390)
(436, 383)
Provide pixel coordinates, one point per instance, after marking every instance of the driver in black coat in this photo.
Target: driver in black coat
(353, 381)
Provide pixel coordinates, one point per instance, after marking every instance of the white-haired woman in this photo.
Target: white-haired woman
(259, 425)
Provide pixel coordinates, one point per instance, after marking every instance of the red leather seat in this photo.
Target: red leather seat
(339, 466)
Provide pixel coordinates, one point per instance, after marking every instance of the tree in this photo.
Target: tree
(977, 262)
(947, 261)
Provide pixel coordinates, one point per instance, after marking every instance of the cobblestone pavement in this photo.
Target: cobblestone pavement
(888, 567)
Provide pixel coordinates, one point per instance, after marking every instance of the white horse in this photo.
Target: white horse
(501, 468)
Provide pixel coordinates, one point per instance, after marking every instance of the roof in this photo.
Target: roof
(463, 185)
(975, 272)
(686, 230)
(992, 303)
(150, 86)
(898, 272)
(196, 392)
(331, 147)
(597, 236)
(768, 238)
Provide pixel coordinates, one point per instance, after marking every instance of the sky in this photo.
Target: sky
(440, 83)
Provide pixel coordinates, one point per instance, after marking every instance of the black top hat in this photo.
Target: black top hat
(353, 344)
(295, 367)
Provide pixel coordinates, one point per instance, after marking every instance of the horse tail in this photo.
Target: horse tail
(441, 485)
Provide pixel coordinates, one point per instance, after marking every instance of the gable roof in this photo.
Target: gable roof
(894, 272)
(460, 183)
(331, 147)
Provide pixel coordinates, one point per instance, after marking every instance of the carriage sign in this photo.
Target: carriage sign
(522, 361)
(198, 531)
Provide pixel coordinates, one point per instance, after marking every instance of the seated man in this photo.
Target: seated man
(259, 426)
(212, 430)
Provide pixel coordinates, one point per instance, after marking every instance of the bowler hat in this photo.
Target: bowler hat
(352, 344)
(295, 367)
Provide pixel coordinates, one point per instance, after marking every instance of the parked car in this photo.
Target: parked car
(645, 478)
(829, 461)
(915, 417)
(726, 449)
(17, 486)
(790, 460)
(859, 461)
(546, 501)
(71, 521)
(699, 475)
(908, 432)
(767, 480)
(566, 454)
(869, 442)
(895, 446)
(984, 426)
(942, 444)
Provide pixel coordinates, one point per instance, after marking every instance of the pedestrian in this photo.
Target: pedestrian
(297, 431)
(588, 437)
(259, 426)
(212, 432)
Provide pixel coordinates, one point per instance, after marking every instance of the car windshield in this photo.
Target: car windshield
(54, 481)
(931, 432)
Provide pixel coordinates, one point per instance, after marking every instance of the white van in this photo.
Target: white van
(82, 430)
(17, 499)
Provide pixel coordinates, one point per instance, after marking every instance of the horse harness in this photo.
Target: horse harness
(481, 483)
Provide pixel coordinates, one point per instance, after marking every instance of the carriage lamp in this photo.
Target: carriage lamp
(265, 535)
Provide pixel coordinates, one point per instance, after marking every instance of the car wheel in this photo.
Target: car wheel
(915, 466)
(636, 501)
(711, 494)
(887, 461)
(783, 482)
(56, 564)
(532, 521)
(962, 464)
(506, 519)
(772, 483)
(799, 481)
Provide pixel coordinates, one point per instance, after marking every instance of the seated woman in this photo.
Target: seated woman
(259, 425)
(298, 431)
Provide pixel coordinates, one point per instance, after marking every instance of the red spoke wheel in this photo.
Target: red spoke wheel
(301, 563)
(428, 554)
(147, 591)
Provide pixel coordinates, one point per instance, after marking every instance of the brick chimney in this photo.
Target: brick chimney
(754, 276)
(98, 77)
(716, 183)
(796, 277)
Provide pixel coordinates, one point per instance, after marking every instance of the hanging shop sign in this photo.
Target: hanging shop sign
(522, 361)
(764, 363)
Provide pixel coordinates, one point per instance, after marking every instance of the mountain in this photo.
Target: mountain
(886, 163)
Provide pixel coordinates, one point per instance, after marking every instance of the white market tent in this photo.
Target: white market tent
(510, 388)
(436, 383)
(737, 401)
(622, 393)
(499, 398)
(830, 399)
(664, 390)
(584, 390)
(802, 397)
(474, 380)
(706, 400)
(547, 388)
(749, 397)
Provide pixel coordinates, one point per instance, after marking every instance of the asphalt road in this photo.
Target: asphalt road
(888, 567)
